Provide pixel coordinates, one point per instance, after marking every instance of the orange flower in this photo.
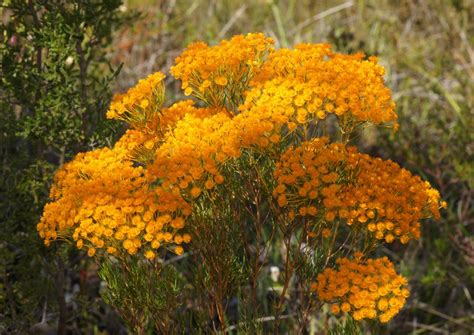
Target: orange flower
(348, 286)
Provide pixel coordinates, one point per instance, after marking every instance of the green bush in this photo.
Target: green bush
(55, 87)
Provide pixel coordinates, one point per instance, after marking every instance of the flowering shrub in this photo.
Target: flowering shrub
(249, 167)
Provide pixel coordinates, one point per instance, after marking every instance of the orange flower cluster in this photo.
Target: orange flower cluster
(182, 147)
(219, 75)
(292, 62)
(308, 178)
(192, 152)
(189, 154)
(168, 117)
(141, 101)
(310, 82)
(104, 202)
(367, 289)
(143, 142)
(329, 181)
(388, 199)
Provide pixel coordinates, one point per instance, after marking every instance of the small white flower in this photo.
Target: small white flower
(274, 273)
(69, 60)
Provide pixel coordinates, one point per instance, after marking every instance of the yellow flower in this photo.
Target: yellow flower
(178, 250)
(230, 65)
(91, 252)
(188, 91)
(111, 250)
(221, 81)
(219, 179)
(317, 170)
(326, 233)
(149, 254)
(186, 238)
(177, 223)
(195, 192)
(134, 105)
(356, 274)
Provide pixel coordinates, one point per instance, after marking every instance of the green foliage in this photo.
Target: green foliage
(142, 292)
(347, 327)
(55, 87)
(55, 72)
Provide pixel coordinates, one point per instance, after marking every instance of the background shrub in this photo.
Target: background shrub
(55, 88)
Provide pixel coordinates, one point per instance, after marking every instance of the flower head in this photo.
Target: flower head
(367, 289)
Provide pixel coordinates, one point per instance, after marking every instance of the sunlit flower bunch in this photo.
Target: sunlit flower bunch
(307, 178)
(388, 199)
(310, 82)
(138, 197)
(367, 289)
(105, 203)
(103, 199)
(191, 155)
(219, 74)
(140, 101)
(328, 181)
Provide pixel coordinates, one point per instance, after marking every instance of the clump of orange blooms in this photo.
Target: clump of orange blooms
(311, 81)
(367, 289)
(140, 101)
(136, 198)
(104, 202)
(330, 181)
(307, 178)
(388, 199)
(215, 74)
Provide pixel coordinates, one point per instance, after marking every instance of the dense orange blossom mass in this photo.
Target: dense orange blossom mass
(331, 181)
(136, 197)
(365, 288)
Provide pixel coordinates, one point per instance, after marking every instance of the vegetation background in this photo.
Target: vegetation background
(61, 60)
